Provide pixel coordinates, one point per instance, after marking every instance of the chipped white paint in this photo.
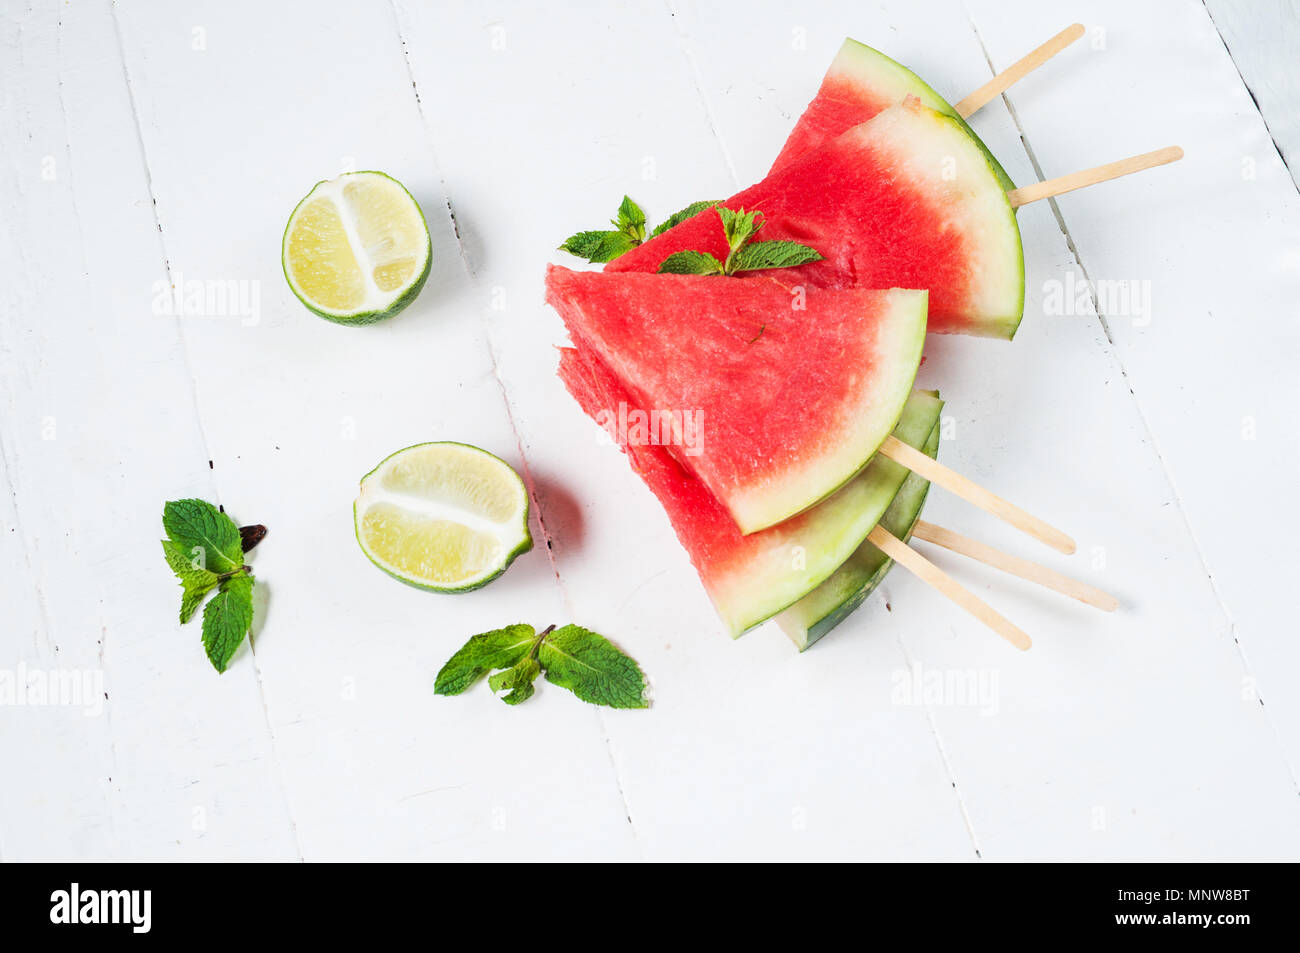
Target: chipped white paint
(149, 140)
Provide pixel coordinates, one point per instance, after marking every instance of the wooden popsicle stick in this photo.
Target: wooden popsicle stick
(1017, 71)
(1101, 173)
(929, 573)
(982, 552)
(972, 492)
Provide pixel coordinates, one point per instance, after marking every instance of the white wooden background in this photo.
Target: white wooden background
(148, 141)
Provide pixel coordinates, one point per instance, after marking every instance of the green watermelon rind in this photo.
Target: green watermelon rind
(758, 597)
(998, 211)
(872, 69)
(1008, 325)
(852, 584)
(866, 64)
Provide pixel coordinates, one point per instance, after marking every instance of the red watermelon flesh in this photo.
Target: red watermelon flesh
(709, 534)
(748, 578)
(860, 83)
(790, 395)
(906, 200)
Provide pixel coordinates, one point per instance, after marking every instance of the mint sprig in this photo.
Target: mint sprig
(630, 220)
(629, 231)
(599, 247)
(743, 253)
(205, 549)
(584, 662)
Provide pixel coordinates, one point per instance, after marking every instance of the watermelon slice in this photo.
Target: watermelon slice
(860, 83)
(791, 394)
(906, 200)
(752, 578)
(831, 603)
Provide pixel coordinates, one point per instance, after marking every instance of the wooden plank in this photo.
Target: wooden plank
(1262, 39)
(1210, 781)
(99, 429)
(296, 409)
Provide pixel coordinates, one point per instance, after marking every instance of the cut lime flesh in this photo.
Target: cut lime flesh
(357, 248)
(447, 517)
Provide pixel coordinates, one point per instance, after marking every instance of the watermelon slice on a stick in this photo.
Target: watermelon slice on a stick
(861, 83)
(751, 578)
(906, 200)
(795, 392)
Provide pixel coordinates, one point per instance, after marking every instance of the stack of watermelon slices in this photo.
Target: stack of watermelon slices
(800, 374)
(773, 497)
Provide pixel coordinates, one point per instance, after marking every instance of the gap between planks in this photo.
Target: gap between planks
(1114, 353)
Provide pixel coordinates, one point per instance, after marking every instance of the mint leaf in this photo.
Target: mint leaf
(500, 648)
(518, 678)
(191, 598)
(593, 668)
(197, 582)
(188, 566)
(598, 247)
(691, 263)
(604, 245)
(739, 227)
(208, 535)
(227, 619)
(776, 254)
(631, 220)
(695, 208)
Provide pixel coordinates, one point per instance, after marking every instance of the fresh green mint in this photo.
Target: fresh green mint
(498, 649)
(630, 220)
(629, 231)
(695, 208)
(598, 247)
(227, 618)
(205, 549)
(743, 253)
(587, 664)
(690, 263)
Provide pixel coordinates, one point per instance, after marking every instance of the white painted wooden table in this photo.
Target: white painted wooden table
(149, 141)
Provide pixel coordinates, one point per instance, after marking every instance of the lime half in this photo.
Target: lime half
(356, 249)
(443, 516)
